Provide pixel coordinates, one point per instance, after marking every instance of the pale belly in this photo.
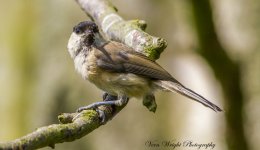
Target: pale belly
(119, 84)
(127, 84)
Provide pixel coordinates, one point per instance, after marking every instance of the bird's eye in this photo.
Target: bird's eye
(77, 30)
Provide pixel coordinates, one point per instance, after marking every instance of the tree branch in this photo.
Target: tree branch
(73, 126)
(116, 28)
(76, 125)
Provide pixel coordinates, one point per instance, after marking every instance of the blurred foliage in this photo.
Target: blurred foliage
(38, 81)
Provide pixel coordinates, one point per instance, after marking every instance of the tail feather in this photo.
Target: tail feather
(179, 88)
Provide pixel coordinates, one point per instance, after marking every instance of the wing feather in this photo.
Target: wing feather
(117, 57)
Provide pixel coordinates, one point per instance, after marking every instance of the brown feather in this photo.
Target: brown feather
(117, 57)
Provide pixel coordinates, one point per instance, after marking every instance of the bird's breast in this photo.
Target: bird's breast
(128, 84)
(121, 83)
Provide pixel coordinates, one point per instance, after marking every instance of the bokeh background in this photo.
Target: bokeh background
(38, 81)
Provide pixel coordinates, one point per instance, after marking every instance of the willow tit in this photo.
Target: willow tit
(119, 70)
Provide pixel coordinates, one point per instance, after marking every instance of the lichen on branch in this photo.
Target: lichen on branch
(86, 122)
(72, 126)
(116, 28)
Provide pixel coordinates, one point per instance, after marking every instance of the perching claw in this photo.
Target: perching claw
(108, 101)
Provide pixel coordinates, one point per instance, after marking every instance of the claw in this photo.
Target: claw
(80, 109)
(102, 116)
(105, 96)
(108, 97)
(108, 100)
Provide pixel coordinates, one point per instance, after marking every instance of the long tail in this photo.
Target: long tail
(179, 88)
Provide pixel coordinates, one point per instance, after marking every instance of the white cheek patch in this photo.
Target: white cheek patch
(74, 45)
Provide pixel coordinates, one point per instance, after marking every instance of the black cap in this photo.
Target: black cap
(85, 25)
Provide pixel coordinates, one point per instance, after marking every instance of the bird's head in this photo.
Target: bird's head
(83, 35)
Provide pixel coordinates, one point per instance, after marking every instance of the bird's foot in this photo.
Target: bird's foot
(108, 100)
(108, 97)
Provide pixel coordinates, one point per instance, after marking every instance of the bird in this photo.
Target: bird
(120, 71)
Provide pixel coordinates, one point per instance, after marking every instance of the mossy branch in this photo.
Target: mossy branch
(116, 28)
(72, 126)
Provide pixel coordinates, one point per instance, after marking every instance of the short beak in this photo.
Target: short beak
(88, 32)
